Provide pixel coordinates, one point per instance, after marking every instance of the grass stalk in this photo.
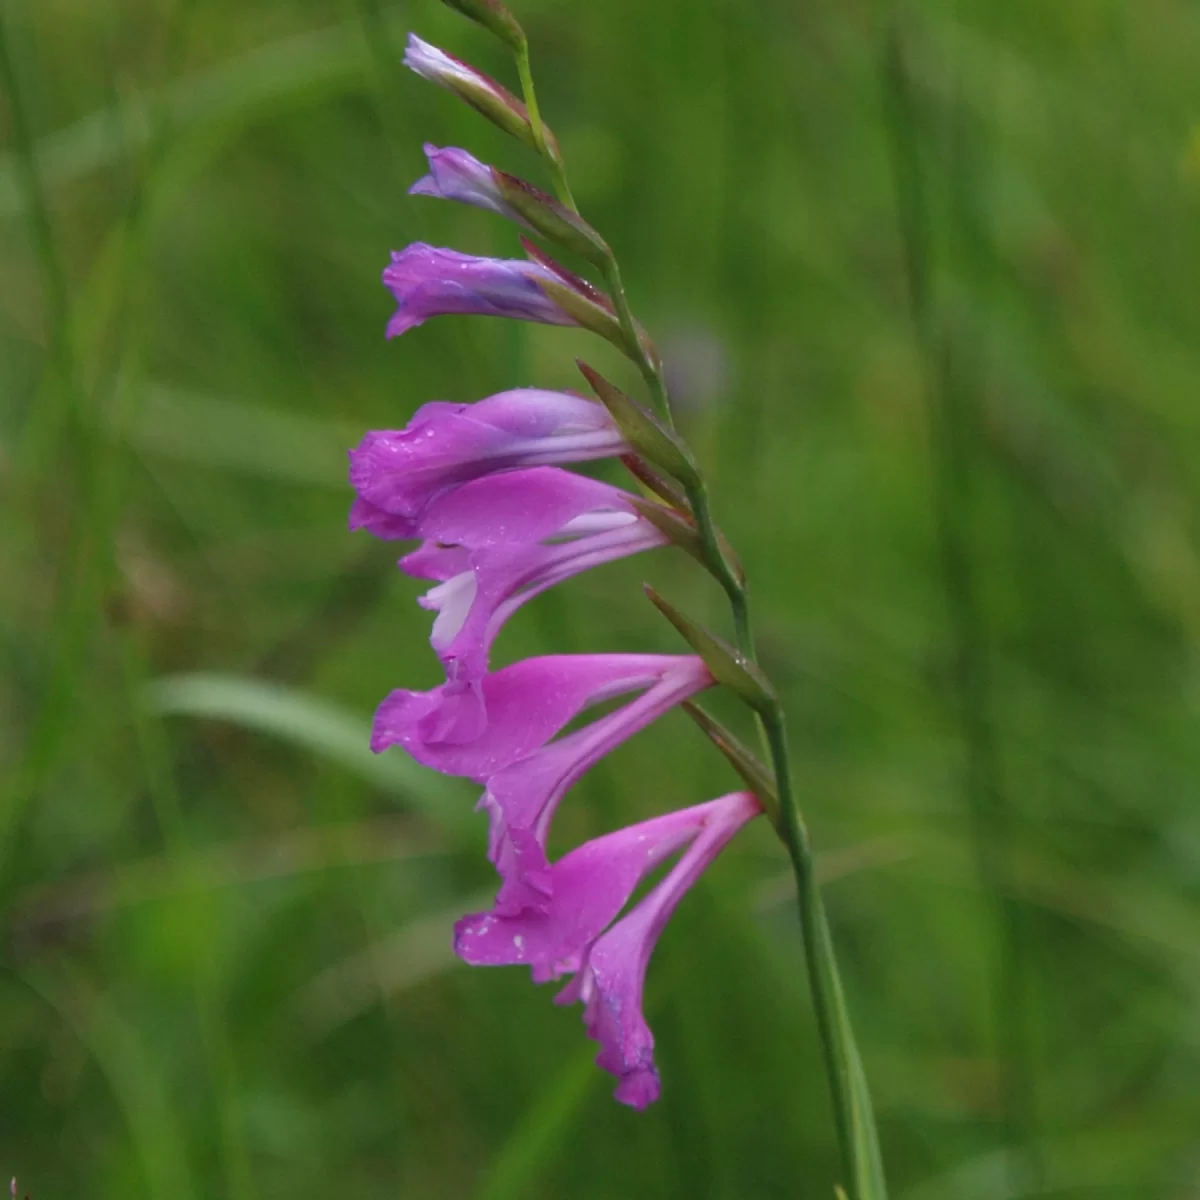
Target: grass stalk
(949, 390)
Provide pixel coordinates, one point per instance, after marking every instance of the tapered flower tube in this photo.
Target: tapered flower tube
(428, 281)
(396, 473)
(527, 774)
(589, 887)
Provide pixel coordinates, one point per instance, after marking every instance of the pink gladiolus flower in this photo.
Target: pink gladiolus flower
(499, 735)
(430, 282)
(455, 174)
(588, 888)
(397, 472)
(478, 590)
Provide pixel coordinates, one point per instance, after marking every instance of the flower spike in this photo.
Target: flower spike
(499, 523)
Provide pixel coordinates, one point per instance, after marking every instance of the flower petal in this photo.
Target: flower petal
(428, 281)
(396, 473)
(524, 704)
(521, 798)
(590, 886)
(612, 975)
(498, 580)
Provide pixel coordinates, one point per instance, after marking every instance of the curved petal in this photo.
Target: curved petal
(612, 975)
(521, 798)
(524, 705)
(396, 473)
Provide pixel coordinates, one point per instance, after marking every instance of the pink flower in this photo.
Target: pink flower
(588, 888)
(430, 282)
(395, 473)
(478, 590)
(499, 735)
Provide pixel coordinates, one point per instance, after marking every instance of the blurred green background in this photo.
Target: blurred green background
(926, 279)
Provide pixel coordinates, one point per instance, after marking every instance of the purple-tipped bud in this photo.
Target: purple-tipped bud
(480, 91)
(455, 174)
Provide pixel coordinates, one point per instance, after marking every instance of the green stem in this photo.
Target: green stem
(726, 576)
(854, 1119)
(558, 175)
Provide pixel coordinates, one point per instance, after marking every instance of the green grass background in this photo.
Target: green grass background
(928, 280)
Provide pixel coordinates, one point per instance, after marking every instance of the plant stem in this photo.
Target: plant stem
(854, 1119)
(559, 176)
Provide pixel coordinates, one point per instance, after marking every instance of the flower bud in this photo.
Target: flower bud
(494, 17)
(480, 91)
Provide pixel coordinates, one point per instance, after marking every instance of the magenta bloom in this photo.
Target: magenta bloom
(589, 888)
(397, 472)
(499, 735)
(455, 174)
(479, 589)
(430, 282)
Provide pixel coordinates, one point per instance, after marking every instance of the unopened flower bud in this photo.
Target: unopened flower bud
(455, 174)
(481, 92)
(494, 17)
